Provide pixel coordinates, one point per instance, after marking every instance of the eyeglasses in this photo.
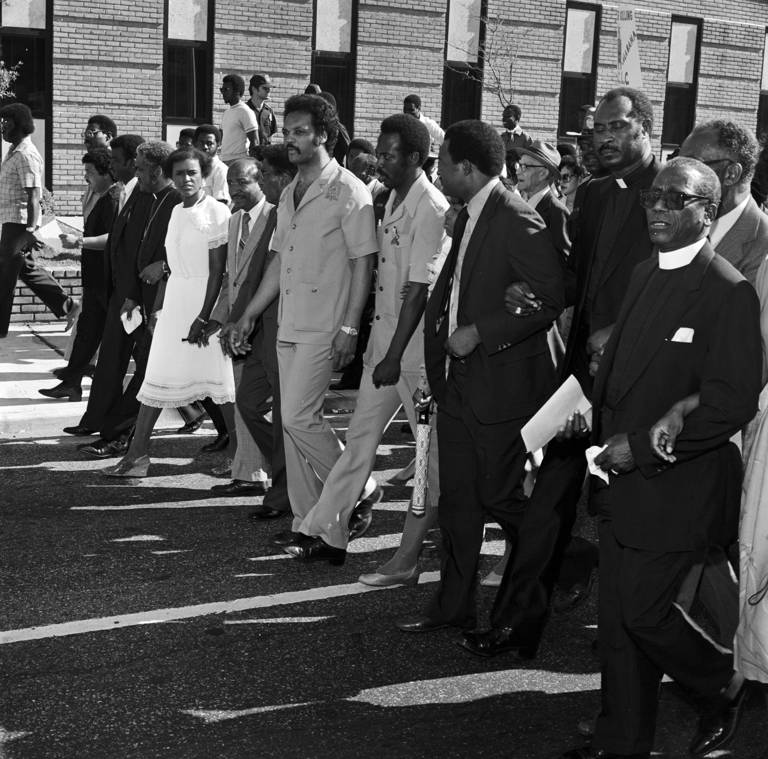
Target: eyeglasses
(567, 177)
(91, 132)
(673, 200)
(526, 166)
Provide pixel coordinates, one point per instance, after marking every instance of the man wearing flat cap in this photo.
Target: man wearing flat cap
(537, 170)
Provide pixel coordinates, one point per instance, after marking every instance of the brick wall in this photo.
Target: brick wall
(109, 59)
(27, 308)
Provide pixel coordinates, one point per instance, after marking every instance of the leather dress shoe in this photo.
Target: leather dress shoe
(497, 641)
(63, 390)
(285, 537)
(420, 625)
(79, 430)
(240, 487)
(362, 514)
(587, 752)
(566, 601)
(315, 549)
(262, 511)
(192, 426)
(104, 449)
(382, 580)
(718, 726)
(220, 444)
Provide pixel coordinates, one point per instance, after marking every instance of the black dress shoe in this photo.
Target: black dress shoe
(285, 537)
(718, 725)
(362, 515)
(104, 449)
(420, 625)
(262, 511)
(315, 549)
(587, 752)
(192, 426)
(497, 641)
(567, 600)
(240, 487)
(79, 430)
(63, 390)
(220, 444)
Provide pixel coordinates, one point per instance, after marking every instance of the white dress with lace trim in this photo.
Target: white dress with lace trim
(177, 372)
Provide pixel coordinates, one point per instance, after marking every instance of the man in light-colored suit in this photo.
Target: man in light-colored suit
(246, 227)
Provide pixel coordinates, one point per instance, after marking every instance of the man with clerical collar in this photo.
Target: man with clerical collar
(740, 231)
(689, 324)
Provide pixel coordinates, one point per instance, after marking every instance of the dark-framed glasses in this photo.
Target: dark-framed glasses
(672, 199)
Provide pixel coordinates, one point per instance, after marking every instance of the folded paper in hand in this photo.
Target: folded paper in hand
(591, 453)
(131, 319)
(49, 233)
(543, 426)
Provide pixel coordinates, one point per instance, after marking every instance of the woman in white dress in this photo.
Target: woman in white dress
(183, 366)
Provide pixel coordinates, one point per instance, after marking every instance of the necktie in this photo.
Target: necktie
(121, 201)
(449, 267)
(245, 232)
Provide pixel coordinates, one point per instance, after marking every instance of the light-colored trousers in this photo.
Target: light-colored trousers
(249, 463)
(329, 518)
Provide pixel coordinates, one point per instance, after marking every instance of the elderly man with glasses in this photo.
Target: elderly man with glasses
(689, 324)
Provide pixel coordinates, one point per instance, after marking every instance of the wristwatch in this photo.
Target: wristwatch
(349, 330)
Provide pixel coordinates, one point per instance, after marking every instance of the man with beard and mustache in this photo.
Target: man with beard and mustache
(410, 234)
(611, 239)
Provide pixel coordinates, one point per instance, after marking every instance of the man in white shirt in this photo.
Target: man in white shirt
(412, 106)
(208, 138)
(239, 124)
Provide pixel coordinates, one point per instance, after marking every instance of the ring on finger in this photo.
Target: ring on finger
(518, 311)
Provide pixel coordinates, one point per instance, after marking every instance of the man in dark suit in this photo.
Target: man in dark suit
(513, 137)
(689, 325)
(610, 240)
(251, 329)
(123, 288)
(150, 272)
(489, 371)
(538, 169)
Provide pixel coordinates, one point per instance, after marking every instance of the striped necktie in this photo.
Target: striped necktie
(244, 231)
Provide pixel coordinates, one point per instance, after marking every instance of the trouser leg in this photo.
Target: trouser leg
(248, 463)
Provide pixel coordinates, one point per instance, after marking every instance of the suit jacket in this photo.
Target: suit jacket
(510, 373)
(516, 140)
(555, 216)
(628, 247)
(121, 251)
(238, 262)
(264, 337)
(694, 502)
(152, 246)
(745, 244)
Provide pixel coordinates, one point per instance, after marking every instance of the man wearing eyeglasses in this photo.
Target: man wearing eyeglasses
(740, 232)
(689, 324)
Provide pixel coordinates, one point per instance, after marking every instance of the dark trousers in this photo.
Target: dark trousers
(258, 392)
(643, 636)
(14, 266)
(522, 600)
(116, 350)
(481, 474)
(90, 327)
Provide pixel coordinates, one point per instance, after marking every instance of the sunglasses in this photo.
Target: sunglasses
(673, 200)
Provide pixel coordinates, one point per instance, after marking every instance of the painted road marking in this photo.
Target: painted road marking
(155, 616)
(276, 621)
(199, 504)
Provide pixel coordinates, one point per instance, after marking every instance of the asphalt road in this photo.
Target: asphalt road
(146, 619)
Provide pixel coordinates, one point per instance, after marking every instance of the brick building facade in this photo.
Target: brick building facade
(156, 65)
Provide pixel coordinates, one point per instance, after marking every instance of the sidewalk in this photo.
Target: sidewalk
(27, 357)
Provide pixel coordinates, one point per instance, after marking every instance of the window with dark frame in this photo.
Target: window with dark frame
(464, 49)
(334, 64)
(762, 108)
(578, 83)
(25, 39)
(682, 80)
(187, 65)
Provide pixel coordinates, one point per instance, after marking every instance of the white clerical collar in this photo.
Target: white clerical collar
(534, 199)
(722, 225)
(676, 259)
(477, 201)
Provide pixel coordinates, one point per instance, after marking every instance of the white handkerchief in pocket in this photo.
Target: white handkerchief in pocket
(683, 335)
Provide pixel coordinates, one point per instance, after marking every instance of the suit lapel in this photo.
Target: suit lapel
(743, 232)
(479, 233)
(666, 317)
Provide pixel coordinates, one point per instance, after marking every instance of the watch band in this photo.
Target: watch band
(349, 330)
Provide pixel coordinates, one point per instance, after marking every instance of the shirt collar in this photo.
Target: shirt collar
(253, 214)
(517, 130)
(477, 201)
(411, 202)
(534, 199)
(676, 259)
(24, 145)
(130, 186)
(723, 224)
(631, 179)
